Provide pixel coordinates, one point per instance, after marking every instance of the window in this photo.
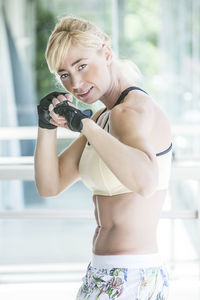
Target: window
(162, 38)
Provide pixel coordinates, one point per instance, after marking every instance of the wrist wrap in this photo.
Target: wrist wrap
(43, 110)
(73, 115)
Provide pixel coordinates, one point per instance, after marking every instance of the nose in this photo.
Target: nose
(76, 82)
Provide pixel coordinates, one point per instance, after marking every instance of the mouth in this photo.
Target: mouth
(86, 93)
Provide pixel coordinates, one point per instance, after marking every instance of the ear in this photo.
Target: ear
(108, 53)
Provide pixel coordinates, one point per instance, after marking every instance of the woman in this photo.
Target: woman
(123, 154)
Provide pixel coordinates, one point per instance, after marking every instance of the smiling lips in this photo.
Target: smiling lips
(83, 95)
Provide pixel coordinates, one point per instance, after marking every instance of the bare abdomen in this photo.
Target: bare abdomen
(126, 224)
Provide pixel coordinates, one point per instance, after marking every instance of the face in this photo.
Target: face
(85, 73)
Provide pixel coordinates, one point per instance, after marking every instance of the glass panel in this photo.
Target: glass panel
(76, 197)
(45, 241)
(184, 194)
(163, 39)
(179, 241)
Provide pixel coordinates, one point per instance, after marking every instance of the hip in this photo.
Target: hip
(125, 277)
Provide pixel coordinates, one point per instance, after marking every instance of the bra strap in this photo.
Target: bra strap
(125, 92)
(100, 115)
(121, 97)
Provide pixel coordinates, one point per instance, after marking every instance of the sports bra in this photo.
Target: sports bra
(100, 179)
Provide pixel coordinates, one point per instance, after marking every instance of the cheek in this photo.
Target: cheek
(100, 74)
(67, 85)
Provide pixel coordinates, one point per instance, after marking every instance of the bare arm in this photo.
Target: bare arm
(53, 172)
(128, 152)
(46, 162)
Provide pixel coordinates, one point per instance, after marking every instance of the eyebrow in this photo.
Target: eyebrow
(73, 64)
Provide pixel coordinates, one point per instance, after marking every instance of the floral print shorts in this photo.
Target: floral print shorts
(124, 284)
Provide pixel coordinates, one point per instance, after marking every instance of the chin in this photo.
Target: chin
(89, 100)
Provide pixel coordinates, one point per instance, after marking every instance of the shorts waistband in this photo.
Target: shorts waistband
(133, 261)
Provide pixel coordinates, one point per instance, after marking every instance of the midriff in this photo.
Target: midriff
(127, 223)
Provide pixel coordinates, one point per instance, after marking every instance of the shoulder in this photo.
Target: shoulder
(137, 112)
(136, 103)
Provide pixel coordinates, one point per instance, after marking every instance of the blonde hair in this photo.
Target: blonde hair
(72, 31)
(78, 32)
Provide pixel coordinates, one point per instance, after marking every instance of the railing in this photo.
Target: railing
(21, 168)
(67, 214)
(30, 132)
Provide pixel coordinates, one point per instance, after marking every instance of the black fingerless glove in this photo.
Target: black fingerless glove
(72, 115)
(43, 110)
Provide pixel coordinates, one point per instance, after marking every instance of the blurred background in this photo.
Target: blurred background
(45, 244)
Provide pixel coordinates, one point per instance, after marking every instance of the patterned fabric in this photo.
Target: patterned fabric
(153, 285)
(124, 284)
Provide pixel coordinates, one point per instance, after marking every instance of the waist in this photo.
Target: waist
(134, 261)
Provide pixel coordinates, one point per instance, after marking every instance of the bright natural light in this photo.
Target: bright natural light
(46, 243)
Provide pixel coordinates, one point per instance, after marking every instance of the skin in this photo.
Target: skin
(126, 223)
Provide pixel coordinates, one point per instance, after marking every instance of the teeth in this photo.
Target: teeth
(85, 92)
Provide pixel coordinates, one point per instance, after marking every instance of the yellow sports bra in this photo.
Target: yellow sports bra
(99, 178)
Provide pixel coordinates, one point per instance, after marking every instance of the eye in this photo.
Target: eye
(64, 76)
(81, 67)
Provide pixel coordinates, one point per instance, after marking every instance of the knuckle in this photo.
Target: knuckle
(53, 115)
(61, 97)
(53, 101)
(69, 96)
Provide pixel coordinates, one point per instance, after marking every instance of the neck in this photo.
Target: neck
(116, 87)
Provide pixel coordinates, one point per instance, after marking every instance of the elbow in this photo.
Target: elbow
(147, 191)
(47, 192)
(45, 188)
(147, 187)
(148, 184)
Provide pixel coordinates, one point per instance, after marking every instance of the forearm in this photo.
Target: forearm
(134, 168)
(46, 163)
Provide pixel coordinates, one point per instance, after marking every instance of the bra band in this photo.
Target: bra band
(165, 151)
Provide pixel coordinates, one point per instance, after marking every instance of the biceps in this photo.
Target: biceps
(141, 143)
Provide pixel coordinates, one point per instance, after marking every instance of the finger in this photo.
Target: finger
(71, 104)
(69, 97)
(61, 98)
(52, 121)
(65, 97)
(56, 117)
(55, 101)
(59, 124)
(51, 107)
(58, 121)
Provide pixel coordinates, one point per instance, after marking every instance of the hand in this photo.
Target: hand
(43, 110)
(57, 119)
(73, 115)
